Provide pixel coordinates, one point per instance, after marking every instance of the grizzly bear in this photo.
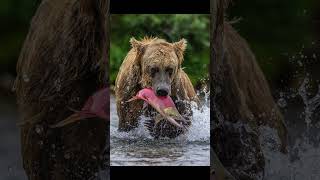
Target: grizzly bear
(63, 61)
(244, 111)
(157, 64)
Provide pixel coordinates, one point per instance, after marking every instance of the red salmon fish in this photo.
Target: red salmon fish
(95, 106)
(163, 104)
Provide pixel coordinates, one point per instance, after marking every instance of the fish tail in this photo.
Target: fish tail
(71, 109)
(132, 99)
(72, 119)
(174, 122)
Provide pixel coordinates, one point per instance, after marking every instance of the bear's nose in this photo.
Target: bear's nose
(162, 92)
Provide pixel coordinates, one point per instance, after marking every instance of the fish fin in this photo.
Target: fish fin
(174, 122)
(181, 118)
(73, 118)
(132, 99)
(73, 110)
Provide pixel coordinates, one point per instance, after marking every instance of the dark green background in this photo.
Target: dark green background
(284, 36)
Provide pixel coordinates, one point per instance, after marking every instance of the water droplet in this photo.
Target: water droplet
(25, 77)
(10, 170)
(57, 84)
(282, 103)
(67, 156)
(13, 89)
(38, 129)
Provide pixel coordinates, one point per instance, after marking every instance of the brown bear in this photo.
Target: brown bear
(153, 63)
(62, 63)
(243, 106)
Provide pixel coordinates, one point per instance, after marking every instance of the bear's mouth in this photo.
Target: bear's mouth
(164, 105)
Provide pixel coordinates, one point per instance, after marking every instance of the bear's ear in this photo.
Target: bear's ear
(137, 45)
(180, 47)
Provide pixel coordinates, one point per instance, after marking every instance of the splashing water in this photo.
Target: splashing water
(303, 159)
(311, 104)
(138, 148)
(200, 128)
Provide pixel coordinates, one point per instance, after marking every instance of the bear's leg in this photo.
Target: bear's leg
(128, 113)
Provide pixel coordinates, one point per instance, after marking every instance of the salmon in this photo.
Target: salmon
(95, 106)
(162, 104)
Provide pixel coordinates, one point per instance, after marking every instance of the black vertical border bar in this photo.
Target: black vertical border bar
(216, 52)
(211, 83)
(107, 26)
(106, 174)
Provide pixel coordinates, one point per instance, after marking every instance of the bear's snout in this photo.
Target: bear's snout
(162, 92)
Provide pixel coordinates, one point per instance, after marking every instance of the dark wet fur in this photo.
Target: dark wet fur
(64, 59)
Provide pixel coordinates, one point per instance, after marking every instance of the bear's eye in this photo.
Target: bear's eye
(169, 71)
(153, 71)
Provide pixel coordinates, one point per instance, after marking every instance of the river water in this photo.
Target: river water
(138, 148)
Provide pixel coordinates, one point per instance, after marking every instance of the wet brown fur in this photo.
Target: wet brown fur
(253, 93)
(62, 62)
(243, 98)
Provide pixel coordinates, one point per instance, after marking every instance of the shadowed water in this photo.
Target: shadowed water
(138, 148)
(10, 155)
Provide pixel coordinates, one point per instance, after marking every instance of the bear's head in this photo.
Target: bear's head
(160, 62)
